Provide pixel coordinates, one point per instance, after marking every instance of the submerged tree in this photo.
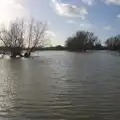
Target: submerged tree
(81, 41)
(21, 36)
(36, 36)
(13, 37)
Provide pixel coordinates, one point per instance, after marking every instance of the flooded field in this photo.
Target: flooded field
(59, 85)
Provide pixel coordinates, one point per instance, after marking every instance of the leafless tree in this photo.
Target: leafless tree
(13, 37)
(36, 36)
(21, 35)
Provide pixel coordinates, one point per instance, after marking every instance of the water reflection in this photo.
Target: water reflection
(7, 91)
(60, 85)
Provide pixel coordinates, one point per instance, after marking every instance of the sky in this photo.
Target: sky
(65, 17)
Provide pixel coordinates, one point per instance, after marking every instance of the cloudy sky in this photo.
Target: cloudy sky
(64, 17)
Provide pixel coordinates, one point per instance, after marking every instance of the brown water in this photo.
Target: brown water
(61, 86)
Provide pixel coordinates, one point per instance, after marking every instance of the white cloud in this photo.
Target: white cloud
(11, 9)
(88, 2)
(69, 10)
(85, 25)
(118, 16)
(107, 28)
(116, 2)
(50, 33)
(71, 21)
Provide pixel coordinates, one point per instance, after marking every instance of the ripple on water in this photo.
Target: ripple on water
(61, 86)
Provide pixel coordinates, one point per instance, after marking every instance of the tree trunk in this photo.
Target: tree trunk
(16, 52)
(13, 55)
(27, 54)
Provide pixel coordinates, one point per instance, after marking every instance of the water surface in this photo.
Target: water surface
(61, 86)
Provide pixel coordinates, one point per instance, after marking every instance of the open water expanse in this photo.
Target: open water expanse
(59, 85)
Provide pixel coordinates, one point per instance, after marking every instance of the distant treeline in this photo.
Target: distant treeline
(80, 41)
(113, 43)
(58, 47)
(84, 40)
(4, 50)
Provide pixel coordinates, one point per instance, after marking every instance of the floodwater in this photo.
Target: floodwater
(59, 85)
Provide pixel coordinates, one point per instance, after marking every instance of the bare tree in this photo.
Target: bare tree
(13, 37)
(35, 36)
(20, 36)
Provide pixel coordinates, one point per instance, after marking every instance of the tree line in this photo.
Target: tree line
(82, 41)
(113, 43)
(21, 38)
